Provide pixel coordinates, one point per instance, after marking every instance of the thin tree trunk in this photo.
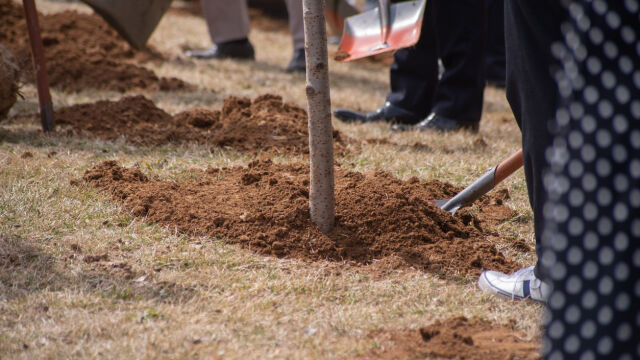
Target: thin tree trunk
(321, 194)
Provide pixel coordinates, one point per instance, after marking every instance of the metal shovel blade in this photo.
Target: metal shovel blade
(133, 20)
(367, 34)
(483, 184)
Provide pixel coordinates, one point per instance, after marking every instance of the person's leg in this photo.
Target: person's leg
(413, 77)
(227, 20)
(228, 23)
(296, 24)
(414, 72)
(296, 27)
(531, 29)
(460, 32)
(495, 60)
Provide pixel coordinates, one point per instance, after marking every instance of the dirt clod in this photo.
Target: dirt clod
(376, 218)
(96, 258)
(456, 338)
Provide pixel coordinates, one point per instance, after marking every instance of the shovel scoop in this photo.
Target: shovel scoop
(385, 28)
(133, 20)
(483, 185)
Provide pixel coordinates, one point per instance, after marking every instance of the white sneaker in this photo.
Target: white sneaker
(523, 284)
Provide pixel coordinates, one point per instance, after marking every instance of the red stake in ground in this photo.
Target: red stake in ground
(42, 79)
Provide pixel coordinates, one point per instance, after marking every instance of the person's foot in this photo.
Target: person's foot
(435, 122)
(298, 62)
(385, 113)
(237, 49)
(523, 284)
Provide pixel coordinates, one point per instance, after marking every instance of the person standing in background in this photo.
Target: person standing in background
(229, 27)
(422, 100)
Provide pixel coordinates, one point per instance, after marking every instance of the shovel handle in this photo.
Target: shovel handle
(385, 9)
(42, 79)
(484, 184)
(508, 167)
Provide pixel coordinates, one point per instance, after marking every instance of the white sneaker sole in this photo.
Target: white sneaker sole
(485, 285)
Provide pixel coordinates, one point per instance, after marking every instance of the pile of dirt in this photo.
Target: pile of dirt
(265, 123)
(265, 207)
(8, 81)
(457, 338)
(82, 52)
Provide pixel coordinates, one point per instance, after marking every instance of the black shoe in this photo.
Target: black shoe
(297, 63)
(386, 113)
(435, 122)
(237, 49)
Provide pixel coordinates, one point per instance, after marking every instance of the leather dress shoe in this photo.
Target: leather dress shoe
(385, 113)
(237, 49)
(435, 122)
(298, 62)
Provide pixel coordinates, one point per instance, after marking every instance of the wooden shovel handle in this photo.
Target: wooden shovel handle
(508, 167)
(42, 79)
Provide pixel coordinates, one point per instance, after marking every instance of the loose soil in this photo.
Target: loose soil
(8, 81)
(265, 123)
(384, 59)
(457, 338)
(82, 52)
(264, 207)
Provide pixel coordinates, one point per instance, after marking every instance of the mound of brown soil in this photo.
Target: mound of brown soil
(8, 81)
(264, 207)
(457, 338)
(81, 52)
(263, 124)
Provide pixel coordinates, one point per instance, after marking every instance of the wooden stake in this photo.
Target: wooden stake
(42, 79)
(321, 194)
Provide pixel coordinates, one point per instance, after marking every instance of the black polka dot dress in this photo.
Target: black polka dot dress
(573, 81)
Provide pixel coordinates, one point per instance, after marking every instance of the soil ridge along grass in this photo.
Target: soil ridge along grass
(264, 207)
(265, 123)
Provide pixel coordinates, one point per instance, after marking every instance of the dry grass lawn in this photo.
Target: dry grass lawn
(160, 294)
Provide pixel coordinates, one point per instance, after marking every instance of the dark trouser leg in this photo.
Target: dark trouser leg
(454, 32)
(495, 61)
(531, 28)
(414, 72)
(460, 31)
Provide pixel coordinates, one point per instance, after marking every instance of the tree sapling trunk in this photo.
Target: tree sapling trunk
(321, 194)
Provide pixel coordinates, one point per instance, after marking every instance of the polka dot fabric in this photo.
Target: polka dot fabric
(591, 236)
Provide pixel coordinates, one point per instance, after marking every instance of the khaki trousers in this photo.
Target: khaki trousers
(228, 20)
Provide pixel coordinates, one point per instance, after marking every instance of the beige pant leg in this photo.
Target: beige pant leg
(296, 25)
(227, 19)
